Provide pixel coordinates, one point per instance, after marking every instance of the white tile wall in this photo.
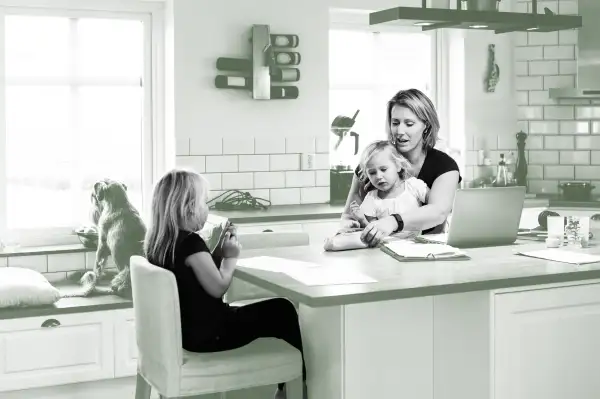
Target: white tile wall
(269, 166)
(55, 267)
(564, 141)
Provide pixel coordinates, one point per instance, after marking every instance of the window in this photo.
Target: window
(366, 69)
(76, 108)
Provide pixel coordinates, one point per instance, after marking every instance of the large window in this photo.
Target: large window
(77, 108)
(366, 68)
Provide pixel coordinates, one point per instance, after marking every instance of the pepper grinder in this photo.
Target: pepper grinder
(521, 169)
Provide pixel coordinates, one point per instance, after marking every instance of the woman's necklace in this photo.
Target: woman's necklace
(416, 167)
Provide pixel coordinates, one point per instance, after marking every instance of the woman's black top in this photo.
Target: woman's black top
(436, 163)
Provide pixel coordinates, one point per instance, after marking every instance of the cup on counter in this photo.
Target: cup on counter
(556, 230)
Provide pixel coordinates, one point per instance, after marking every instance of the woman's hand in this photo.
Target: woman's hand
(377, 230)
(231, 246)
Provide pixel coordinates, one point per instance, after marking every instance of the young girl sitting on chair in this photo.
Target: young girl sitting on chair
(393, 190)
(179, 211)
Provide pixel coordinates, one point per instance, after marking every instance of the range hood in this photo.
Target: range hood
(588, 55)
(498, 21)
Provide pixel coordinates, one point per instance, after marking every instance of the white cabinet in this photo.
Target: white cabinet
(125, 343)
(546, 343)
(53, 350)
(247, 228)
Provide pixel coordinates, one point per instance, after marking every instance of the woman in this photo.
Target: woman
(412, 125)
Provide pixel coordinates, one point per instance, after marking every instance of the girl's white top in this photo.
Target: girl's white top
(414, 196)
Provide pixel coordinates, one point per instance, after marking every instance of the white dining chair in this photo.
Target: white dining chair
(173, 372)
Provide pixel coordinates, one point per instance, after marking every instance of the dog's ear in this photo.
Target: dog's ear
(99, 189)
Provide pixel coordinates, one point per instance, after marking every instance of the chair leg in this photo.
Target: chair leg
(142, 388)
(294, 389)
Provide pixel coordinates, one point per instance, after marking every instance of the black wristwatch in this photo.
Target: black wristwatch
(399, 221)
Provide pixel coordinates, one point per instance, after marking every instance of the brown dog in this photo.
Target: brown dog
(121, 232)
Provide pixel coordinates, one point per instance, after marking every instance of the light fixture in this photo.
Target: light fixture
(457, 18)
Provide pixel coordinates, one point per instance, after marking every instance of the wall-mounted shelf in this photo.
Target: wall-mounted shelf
(271, 63)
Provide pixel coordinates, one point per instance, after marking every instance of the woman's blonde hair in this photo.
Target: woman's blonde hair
(175, 206)
(378, 146)
(422, 107)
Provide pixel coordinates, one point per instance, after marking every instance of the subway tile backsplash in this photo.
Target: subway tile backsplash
(564, 135)
(270, 167)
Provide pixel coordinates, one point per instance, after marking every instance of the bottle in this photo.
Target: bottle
(286, 57)
(285, 40)
(234, 64)
(521, 167)
(232, 82)
(284, 74)
(501, 176)
(284, 92)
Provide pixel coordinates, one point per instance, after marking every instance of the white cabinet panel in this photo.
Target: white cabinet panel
(61, 349)
(126, 353)
(546, 343)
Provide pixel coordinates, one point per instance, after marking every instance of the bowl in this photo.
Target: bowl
(89, 238)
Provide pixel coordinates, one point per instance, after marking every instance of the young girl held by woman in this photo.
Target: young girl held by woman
(391, 190)
(208, 323)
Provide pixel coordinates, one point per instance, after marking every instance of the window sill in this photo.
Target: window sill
(44, 250)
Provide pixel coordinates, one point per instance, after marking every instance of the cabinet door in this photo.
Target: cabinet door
(125, 343)
(546, 343)
(55, 350)
(319, 230)
(274, 226)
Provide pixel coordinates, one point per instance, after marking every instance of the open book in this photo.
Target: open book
(214, 231)
(405, 250)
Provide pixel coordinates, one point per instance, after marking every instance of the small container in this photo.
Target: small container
(553, 242)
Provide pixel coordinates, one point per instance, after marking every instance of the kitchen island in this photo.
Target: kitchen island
(497, 326)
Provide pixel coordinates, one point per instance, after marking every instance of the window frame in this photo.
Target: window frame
(359, 20)
(154, 155)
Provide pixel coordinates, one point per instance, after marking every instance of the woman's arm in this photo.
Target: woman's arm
(438, 207)
(353, 196)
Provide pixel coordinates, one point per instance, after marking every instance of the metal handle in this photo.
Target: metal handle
(51, 323)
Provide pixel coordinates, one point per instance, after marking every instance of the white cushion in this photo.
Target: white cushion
(252, 365)
(20, 286)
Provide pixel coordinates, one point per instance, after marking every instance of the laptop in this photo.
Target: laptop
(482, 217)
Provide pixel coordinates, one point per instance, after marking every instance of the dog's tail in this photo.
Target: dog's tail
(88, 285)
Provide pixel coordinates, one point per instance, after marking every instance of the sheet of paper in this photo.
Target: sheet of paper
(561, 255)
(328, 276)
(274, 264)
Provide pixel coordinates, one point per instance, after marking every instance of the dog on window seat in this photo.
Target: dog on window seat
(121, 233)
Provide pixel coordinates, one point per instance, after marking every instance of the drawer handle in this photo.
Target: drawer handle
(267, 231)
(51, 323)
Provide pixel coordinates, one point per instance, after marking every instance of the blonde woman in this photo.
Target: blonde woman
(208, 324)
(412, 126)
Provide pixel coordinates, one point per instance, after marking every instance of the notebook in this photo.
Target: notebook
(413, 251)
(561, 255)
(214, 231)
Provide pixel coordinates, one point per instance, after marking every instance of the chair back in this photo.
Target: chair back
(157, 324)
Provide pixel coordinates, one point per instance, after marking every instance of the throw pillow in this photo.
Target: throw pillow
(20, 286)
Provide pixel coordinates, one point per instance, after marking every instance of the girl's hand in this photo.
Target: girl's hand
(358, 214)
(348, 224)
(231, 246)
(377, 230)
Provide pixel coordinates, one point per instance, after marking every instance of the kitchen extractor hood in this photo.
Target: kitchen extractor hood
(588, 55)
(498, 21)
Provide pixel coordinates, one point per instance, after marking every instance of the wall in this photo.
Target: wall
(564, 139)
(239, 143)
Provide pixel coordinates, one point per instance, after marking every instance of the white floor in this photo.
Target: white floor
(122, 388)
